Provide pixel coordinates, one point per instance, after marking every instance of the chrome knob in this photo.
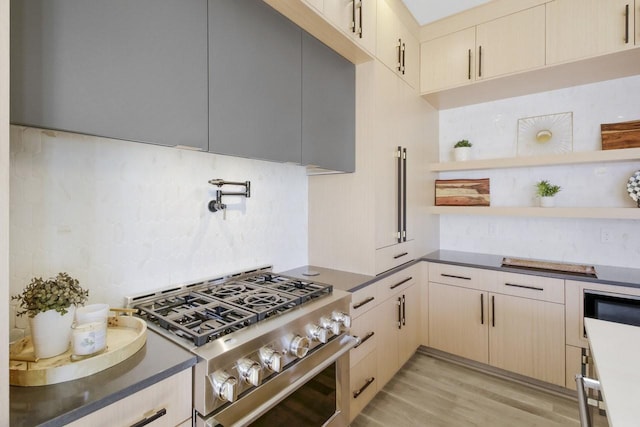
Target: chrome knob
(317, 333)
(330, 325)
(224, 386)
(343, 318)
(250, 371)
(271, 358)
(299, 346)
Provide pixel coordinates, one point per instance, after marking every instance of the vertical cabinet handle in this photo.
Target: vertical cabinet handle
(493, 311)
(399, 54)
(626, 24)
(469, 65)
(404, 311)
(482, 309)
(399, 313)
(404, 49)
(480, 61)
(399, 154)
(360, 6)
(404, 194)
(353, 16)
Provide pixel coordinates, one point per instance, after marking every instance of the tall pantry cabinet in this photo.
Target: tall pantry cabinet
(353, 218)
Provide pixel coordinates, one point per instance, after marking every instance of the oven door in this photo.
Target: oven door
(612, 307)
(314, 391)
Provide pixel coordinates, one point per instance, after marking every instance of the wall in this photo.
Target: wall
(125, 218)
(492, 128)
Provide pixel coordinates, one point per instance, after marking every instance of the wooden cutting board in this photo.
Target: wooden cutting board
(463, 192)
(620, 135)
(125, 336)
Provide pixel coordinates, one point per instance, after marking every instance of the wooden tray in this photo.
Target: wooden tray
(125, 336)
(462, 192)
(577, 269)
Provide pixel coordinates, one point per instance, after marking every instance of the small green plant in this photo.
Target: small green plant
(462, 143)
(546, 189)
(56, 293)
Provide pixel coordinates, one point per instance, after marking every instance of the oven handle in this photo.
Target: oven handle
(347, 343)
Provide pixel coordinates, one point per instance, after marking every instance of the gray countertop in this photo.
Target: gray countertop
(59, 404)
(342, 280)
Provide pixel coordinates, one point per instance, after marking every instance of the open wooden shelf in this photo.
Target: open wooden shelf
(580, 157)
(575, 212)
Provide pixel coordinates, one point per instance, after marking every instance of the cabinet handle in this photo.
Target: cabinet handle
(365, 339)
(455, 277)
(404, 311)
(399, 154)
(162, 412)
(626, 24)
(360, 6)
(400, 255)
(399, 57)
(399, 313)
(482, 309)
(401, 282)
(493, 311)
(480, 61)
(404, 49)
(404, 193)
(534, 288)
(364, 387)
(469, 65)
(361, 303)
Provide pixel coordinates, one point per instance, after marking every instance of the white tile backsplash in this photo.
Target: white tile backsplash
(492, 128)
(125, 218)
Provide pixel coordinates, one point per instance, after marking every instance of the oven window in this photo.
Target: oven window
(613, 308)
(313, 404)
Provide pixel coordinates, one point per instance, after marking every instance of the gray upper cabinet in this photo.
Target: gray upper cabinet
(328, 107)
(134, 70)
(254, 81)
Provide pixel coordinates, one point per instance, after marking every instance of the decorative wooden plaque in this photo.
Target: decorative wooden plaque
(462, 192)
(620, 135)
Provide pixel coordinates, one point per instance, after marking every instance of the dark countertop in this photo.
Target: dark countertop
(59, 404)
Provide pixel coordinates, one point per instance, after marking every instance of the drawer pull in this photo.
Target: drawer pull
(361, 303)
(400, 255)
(455, 277)
(401, 282)
(364, 387)
(161, 413)
(533, 288)
(363, 340)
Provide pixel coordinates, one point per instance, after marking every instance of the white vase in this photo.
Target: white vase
(461, 153)
(51, 332)
(547, 202)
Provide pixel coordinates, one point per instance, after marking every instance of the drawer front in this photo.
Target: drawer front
(397, 282)
(533, 287)
(364, 300)
(466, 277)
(363, 384)
(394, 256)
(364, 327)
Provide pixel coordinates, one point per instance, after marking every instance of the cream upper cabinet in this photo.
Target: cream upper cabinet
(356, 18)
(396, 47)
(505, 45)
(579, 29)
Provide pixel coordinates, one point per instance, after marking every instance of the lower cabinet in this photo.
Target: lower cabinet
(168, 400)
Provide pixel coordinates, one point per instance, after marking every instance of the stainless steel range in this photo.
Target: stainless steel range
(263, 340)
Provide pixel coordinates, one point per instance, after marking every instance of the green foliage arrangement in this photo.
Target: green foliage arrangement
(56, 293)
(546, 189)
(462, 143)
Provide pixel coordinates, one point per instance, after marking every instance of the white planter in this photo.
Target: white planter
(462, 153)
(547, 202)
(51, 332)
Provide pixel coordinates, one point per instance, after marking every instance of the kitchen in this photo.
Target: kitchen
(95, 186)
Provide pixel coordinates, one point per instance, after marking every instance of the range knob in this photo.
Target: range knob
(224, 386)
(330, 325)
(343, 318)
(250, 371)
(271, 358)
(299, 346)
(317, 333)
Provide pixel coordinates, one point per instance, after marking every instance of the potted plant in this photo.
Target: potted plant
(50, 305)
(462, 150)
(546, 191)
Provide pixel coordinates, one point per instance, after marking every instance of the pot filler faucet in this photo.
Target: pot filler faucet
(216, 205)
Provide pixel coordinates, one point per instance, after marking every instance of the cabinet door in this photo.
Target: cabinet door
(389, 323)
(458, 320)
(585, 28)
(448, 61)
(328, 107)
(410, 58)
(396, 47)
(255, 94)
(119, 69)
(410, 323)
(512, 43)
(527, 337)
(356, 18)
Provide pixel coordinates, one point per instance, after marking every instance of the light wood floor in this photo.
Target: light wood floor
(432, 392)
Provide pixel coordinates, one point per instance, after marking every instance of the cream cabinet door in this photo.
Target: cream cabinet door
(584, 28)
(389, 323)
(527, 337)
(396, 47)
(448, 61)
(356, 18)
(409, 340)
(512, 43)
(458, 319)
